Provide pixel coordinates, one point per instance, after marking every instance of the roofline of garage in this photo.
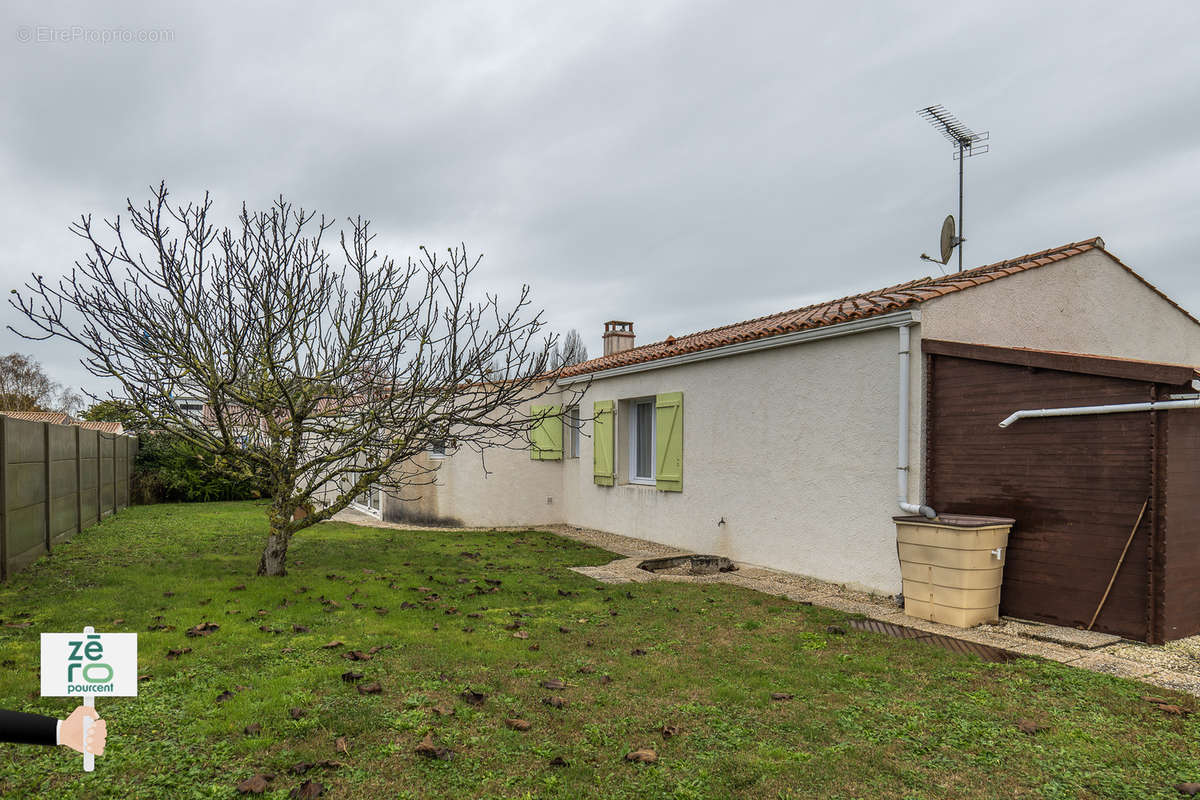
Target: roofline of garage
(1149, 371)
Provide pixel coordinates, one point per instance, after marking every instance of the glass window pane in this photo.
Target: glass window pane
(574, 420)
(645, 444)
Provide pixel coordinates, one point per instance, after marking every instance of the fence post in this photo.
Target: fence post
(99, 482)
(78, 484)
(114, 473)
(46, 475)
(3, 497)
(128, 474)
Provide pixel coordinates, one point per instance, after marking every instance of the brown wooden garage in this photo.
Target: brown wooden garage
(1075, 485)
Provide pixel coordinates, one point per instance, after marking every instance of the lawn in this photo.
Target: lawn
(500, 613)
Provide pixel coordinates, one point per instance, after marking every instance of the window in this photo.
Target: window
(650, 444)
(641, 442)
(192, 408)
(572, 437)
(437, 448)
(370, 501)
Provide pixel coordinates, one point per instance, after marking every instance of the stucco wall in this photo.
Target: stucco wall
(514, 490)
(418, 502)
(794, 448)
(1086, 304)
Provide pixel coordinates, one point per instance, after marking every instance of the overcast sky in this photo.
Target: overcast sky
(679, 164)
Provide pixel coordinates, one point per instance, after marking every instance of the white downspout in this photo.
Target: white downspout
(1080, 411)
(902, 453)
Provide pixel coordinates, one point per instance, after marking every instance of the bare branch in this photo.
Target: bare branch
(326, 373)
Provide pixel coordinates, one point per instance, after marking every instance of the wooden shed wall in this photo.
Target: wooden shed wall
(1074, 485)
(1181, 560)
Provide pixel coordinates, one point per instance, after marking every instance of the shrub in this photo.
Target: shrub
(169, 469)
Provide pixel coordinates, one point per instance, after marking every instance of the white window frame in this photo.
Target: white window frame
(371, 501)
(634, 404)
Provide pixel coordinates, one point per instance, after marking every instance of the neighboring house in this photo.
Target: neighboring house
(791, 440)
(246, 426)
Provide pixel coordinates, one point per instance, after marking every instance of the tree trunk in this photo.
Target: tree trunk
(274, 555)
(279, 534)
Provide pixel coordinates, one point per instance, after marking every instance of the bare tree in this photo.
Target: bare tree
(571, 350)
(25, 386)
(326, 378)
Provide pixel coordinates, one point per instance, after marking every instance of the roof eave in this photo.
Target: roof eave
(892, 320)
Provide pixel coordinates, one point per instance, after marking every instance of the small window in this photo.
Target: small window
(437, 448)
(641, 442)
(572, 437)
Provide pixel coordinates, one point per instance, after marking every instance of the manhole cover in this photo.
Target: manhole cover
(984, 651)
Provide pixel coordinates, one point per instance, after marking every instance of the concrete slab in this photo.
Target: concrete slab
(1071, 637)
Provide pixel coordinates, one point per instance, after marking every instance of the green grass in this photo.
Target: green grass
(871, 717)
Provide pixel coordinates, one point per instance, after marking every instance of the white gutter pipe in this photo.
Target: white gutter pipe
(1079, 411)
(902, 453)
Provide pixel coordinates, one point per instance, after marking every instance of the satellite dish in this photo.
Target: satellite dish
(948, 238)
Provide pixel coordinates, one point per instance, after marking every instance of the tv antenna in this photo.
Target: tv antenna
(967, 143)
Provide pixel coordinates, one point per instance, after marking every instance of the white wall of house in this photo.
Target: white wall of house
(795, 448)
(514, 490)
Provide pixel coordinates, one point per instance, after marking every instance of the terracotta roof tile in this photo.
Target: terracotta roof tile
(845, 309)
(57, 417)
(103, 427)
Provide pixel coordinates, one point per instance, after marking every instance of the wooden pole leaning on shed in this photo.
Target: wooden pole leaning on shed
(1120, 561)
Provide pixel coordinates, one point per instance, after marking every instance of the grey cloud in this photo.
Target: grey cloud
(683, 165)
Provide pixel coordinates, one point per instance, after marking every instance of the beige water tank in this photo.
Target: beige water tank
(953, 567)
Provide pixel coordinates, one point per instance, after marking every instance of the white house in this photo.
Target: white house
(791, 440)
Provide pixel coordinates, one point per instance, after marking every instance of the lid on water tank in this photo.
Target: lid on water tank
(957, 520)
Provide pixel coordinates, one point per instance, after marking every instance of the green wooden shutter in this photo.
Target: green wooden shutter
(545, 433)
(668, 434)
(602, 443)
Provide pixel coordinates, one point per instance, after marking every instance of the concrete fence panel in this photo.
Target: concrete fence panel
(56, 480)
(89, 476)
(121, 471)
(25, 489)
(63, 477)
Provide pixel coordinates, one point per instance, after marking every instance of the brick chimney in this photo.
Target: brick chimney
(618, 336)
